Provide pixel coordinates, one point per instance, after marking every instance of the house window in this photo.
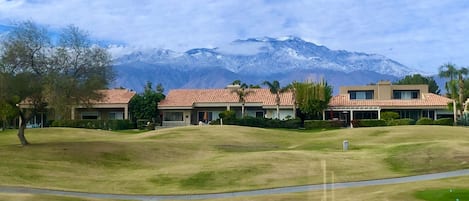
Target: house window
(405, 95)
(89, 115)
(116, 115)
(259, 114)
(409, 114)
(365, 115)
(361, 95)
(205, 116)
(173, 116)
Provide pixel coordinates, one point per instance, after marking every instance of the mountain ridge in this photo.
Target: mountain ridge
(254, 60)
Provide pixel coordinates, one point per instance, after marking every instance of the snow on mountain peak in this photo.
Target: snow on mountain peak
(268, 55)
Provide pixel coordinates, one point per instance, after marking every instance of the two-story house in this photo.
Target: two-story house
(367, 102)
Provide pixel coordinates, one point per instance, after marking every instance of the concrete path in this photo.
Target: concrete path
(281, 190)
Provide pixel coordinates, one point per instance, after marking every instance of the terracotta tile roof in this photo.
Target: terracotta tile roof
(110, 96)
(187, 97)
(115, 96)
(427, 100)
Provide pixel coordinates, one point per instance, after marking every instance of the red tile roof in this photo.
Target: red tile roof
(115, 96)
(187, 97)
(110, 96)
(427, 100)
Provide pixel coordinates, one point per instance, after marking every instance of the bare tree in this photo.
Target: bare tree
(40, 73)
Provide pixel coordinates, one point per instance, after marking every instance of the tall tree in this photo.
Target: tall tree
(292, 88)
(449, 71)
(25, 52)
(79, 70)
(242, 92)
(419, 79)
(462, 73)
(455, 86)
(7, 112)
(275, 88)
(41, 73)
(145, 105)
(312, 98)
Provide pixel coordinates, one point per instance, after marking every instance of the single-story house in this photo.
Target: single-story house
(368, 102)
(183, 107)
(113, 105)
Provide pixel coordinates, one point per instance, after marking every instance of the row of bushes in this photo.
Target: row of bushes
(399, 122)
(95, 124)
(442, 121)
(261, 122)
(311, 124)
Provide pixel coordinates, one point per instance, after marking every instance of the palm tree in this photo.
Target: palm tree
(292, 88)
(461, 74)
(242, 92)
(455, 85)
(450, 71)
(277, 90)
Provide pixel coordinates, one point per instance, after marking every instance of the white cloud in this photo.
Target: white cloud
(419, 33)
(237, 48)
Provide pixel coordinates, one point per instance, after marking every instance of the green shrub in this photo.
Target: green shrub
(94, 124)
(369, 123)
(400, 122)
(389, 115)
(424, 121)
(227, 115)
(260, 122)
(311, 124)
(444, 122)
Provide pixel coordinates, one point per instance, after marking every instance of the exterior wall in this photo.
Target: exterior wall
(252, 112)
(102, 109)
(444, 113)
(186, 121)
(384, 89)
(272, 113)
(103, 113)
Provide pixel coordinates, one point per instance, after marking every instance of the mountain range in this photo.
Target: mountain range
(253, 61)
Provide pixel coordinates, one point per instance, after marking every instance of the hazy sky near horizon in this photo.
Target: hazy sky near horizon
(421, 34)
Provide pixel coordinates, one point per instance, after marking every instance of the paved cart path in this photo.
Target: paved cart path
(280, 190)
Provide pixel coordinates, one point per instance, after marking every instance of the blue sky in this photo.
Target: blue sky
(421, 34)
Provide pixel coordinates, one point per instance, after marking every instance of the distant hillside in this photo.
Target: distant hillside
(253, 61)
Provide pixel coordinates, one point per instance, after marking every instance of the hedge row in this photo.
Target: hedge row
(95, 124)
(261, 122)
(311, 124)
(442, 121)
(400, 122)
(368, 123)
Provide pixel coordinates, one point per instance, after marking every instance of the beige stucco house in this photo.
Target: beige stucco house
(114, 105)
(367, 102)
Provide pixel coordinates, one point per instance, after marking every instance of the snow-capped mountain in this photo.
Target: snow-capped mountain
(253, 61)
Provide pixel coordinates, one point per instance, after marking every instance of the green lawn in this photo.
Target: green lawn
(229, 158)
(444, 194)
(435, 190)
(29, 197)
